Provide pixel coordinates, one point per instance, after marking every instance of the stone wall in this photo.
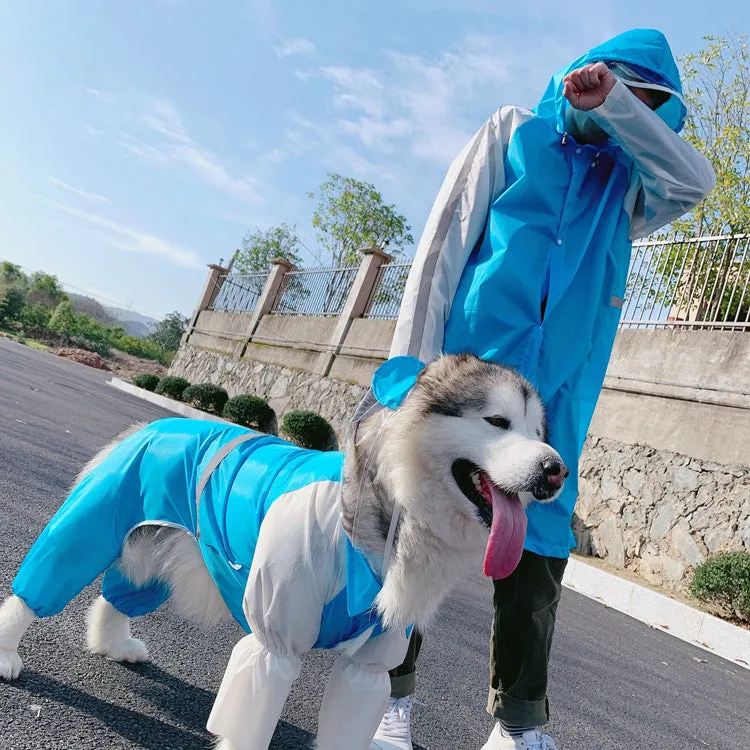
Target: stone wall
(285, 389)
(659, 513)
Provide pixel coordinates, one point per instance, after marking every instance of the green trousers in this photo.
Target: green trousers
(522, 629)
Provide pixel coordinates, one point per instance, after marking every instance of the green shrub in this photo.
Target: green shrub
(724, 580)
(251, 411)
(206, 396)
(146, 380)
(308, 430)
(172, 387)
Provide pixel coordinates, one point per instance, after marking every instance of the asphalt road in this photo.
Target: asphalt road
(615, 683)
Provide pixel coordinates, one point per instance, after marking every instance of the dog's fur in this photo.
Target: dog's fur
(403, 459)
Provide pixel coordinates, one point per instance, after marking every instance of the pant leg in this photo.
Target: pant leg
(132, 600)
(404, 677)
(79, 543)
(523, 626)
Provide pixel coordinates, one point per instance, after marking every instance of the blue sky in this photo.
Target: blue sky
(140, 139)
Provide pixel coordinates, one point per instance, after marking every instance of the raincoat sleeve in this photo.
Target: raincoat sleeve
(453, 229)
(671, 176)
(284, 599)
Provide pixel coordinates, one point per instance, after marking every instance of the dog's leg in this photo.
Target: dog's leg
(15, 618)
(223, 744)
(354, 701)
(108, 634)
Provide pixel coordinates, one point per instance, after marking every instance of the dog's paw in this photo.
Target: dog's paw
(130, 650)
(10, 664)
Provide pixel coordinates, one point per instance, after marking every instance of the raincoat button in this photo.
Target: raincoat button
(578, 150)
(559, 242)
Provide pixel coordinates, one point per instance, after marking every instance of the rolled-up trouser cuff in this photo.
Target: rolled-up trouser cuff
(403, 685)
(517, 712)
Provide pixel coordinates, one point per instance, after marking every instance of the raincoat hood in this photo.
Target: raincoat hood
(647, 53)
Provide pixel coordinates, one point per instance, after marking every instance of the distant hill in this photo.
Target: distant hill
(132, 322)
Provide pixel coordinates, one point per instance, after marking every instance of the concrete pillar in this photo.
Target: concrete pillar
(216, 276)
(279, 268)
(356, 304)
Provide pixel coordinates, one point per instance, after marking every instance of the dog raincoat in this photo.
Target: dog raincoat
(266, 515)
(525, 255)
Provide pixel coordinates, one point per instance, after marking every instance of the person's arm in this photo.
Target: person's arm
(455, 225)
(673, 176)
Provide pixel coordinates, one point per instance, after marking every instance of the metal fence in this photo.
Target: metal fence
(239, 292)
(699, 282)
(318, 292)
(388, 291)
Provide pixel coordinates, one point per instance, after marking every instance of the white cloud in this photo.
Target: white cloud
(177, 146)
(128, 239)
(102, 96)
(298, 46)
(84, 194)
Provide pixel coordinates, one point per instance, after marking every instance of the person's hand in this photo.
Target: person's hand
(587, 87)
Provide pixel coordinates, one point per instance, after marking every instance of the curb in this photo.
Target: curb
(698, 628)
(166, 403)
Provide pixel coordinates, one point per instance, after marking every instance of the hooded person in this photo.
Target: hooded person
(524, 261)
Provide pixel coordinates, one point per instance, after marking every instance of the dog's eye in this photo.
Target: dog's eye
(501, 422)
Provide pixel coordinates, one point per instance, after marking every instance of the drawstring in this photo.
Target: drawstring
(564, 140)
(595, 163)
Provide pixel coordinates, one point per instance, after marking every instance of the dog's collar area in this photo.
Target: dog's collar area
(464, 473)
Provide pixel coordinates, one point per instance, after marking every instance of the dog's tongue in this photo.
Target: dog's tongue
(507, 534)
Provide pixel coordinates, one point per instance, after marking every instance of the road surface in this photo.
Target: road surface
(615, 683)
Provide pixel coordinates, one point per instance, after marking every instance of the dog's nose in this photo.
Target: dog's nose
(555, 472)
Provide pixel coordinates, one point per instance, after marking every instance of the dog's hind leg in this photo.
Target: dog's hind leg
(108, 634)
(108, 619)
(15, 618)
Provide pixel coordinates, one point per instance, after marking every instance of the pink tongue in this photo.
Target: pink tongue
(507, 534)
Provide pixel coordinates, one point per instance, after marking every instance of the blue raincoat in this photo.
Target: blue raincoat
(217, 482)
(525, 255)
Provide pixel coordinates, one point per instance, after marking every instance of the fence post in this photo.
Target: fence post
(279, 268)
(216, 276)
(356, 304)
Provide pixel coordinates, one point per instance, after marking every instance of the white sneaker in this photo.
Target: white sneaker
(394, 732)
(531, 740)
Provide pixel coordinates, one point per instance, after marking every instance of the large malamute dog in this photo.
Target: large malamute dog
(306, 550)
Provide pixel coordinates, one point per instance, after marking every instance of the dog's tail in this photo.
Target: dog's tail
(107, 449)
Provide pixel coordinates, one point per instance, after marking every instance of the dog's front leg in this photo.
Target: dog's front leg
(355, 698)
(252, 694)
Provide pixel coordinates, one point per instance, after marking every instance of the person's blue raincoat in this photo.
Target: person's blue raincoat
(525, 255)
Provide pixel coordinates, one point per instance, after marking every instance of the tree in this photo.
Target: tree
(12, 301)
(63, 320)
(350, 216)
(45, 289)
(705, 280)
(261, 246)
(12, 274)
(168, 332)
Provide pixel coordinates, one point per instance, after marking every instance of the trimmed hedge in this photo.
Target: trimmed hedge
(308, 430)
(724, 581)
(252, 412)
(146, 380)
(172, 387)
(206, 396)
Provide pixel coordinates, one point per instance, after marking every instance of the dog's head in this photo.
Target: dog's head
(470, 444)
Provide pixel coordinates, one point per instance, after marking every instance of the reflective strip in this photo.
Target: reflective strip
(218, 457)
(616, 302)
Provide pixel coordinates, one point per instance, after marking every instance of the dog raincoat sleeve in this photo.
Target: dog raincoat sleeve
(524, 257)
